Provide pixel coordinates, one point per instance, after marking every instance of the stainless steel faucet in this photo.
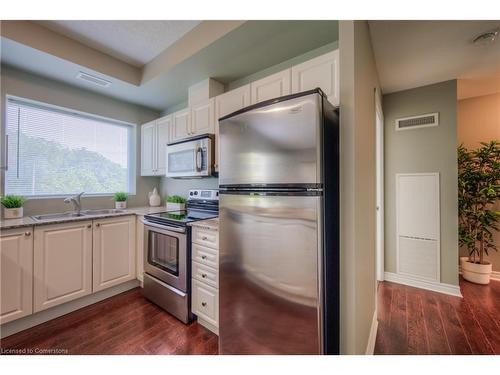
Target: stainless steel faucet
(75, 200)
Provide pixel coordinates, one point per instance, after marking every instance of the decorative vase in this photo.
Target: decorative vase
(175, 206)
(121, 205)
(476, 273)
(154, 198)
(13, 213)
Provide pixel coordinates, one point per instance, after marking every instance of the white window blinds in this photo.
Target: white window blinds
(54, 151)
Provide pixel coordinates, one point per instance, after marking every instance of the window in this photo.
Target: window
(56, 151)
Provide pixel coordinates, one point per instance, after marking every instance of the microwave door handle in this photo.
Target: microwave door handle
(198, 158)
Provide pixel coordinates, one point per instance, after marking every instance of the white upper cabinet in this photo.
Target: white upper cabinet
(16, 298)
(162, 138)
(148, 146)
(322, 72)
(154, 138)
(181, 125)
(273, 86)
(225, 104)
(203, 117)
(114, 252)
(62, 263)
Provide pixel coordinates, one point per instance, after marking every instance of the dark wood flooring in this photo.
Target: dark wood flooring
(123, 324)
(417, 321)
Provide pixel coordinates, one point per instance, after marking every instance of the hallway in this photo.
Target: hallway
(417, 321)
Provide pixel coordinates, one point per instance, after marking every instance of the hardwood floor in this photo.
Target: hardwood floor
(417, 321)
(123, 324)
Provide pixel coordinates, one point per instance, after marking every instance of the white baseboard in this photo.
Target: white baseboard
(370, 346)
(29, 321)
(453, 290)
(495, 275)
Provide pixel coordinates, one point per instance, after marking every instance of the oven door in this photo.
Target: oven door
(190, 158)
(165, 255)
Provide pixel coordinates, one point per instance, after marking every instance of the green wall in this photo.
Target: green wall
(424, 150)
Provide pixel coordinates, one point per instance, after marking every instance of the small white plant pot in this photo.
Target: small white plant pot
(476, 273)
(175, 206)
(12, 213)
(121, 205)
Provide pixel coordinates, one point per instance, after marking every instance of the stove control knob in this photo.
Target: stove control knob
(190, 193)
(195, 193)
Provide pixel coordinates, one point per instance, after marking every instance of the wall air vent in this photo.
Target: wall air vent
(89, 78)
(417, 122)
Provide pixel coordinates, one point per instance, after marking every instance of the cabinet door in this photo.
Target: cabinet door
(205, 302)
(148, 149)
(62, 263)
(271, 87)
(114, 251)
(225, 104)
(162, 138)
(203, 118)
(181, 125)
(322, 72)
(16, 278)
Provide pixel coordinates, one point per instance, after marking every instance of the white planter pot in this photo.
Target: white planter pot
(462, 260)
(476, 273)
(12, 213)
(175, 206)
(121, 205)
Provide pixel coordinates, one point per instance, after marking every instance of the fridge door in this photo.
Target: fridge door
(276, 144)
(268, 280)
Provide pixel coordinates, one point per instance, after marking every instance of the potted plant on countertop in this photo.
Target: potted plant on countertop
(13, 206)
(478, 191)
(175, 203)
(120, 199)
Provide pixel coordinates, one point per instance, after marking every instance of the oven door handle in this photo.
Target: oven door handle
(164, 227)
(199, 156)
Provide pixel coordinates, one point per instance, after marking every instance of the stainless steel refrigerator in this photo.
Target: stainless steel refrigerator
(279, 227)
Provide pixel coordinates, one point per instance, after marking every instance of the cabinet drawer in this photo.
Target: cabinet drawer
(206, 274)
(205, 302)
(206, 237)
(205, 255)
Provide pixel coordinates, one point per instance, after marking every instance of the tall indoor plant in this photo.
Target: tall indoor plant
(478, 191)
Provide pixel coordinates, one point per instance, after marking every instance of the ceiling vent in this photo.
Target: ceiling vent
(89, 78)
(417, 122)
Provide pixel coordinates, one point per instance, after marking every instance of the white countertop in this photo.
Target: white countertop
(27, 221)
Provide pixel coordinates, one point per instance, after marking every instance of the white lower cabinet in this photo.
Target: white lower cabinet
(113, 252)
(62, 263)
(205, 276)
(16, 277)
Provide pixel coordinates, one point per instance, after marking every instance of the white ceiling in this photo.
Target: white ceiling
(134, 42)
(410, 54)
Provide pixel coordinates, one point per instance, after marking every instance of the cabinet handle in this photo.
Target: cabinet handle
(98, 225)
(27, 234)
(203, 275)
(203, 304)
(203, 257)
(204, 238)
(89, 226)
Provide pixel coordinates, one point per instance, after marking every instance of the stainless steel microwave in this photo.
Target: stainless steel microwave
(191, 157)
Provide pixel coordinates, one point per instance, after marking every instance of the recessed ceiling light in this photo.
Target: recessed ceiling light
(89, 78)
(487, 37)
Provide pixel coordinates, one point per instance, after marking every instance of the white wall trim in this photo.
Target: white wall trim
(29, 321)
(453, 290)
(370, 346)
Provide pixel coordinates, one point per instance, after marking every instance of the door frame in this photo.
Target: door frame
(379, 157)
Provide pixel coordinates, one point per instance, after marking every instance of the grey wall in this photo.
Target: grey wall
(359, 79)
(424, 150)
(171, 186)
(26, 85)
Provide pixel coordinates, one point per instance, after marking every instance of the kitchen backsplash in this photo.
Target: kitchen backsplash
(173, 186)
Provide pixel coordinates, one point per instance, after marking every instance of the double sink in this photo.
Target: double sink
(85, 213)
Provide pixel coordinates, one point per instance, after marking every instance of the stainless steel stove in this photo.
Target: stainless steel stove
(167, 255)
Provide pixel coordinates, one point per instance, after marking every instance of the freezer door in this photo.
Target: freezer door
(274, 144)
(268, 278)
